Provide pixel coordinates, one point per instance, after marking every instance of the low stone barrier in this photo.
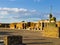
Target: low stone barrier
(13, 40)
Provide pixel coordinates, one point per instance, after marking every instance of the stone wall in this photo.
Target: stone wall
(12, 40)
(51, 31)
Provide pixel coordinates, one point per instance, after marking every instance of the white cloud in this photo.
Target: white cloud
(16, 9)
(1, 17)
(4, 9)
(3, 12)
(26, 13)
(13, 12)
(9, 9)
(22, 9)
(13, 9)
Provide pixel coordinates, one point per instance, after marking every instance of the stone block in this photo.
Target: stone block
(12, 40)
(51, 31)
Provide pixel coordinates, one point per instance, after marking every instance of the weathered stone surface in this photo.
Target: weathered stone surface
(12, 40)
(51, 31)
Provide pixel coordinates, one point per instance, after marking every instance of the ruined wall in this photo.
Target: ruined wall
(13, 40)
(51, 31)
(12, 26)
(19, 26)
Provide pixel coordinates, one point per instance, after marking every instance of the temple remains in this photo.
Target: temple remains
(49, 27)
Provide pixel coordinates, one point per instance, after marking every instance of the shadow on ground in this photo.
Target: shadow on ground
(5, 33)
(40, 43)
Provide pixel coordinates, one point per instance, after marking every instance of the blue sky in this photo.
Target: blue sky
(27, 10)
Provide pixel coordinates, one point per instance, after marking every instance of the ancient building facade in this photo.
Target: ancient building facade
(58, 23)
(4, 25)
(12, 26)
(21, 25)
(49, 27)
